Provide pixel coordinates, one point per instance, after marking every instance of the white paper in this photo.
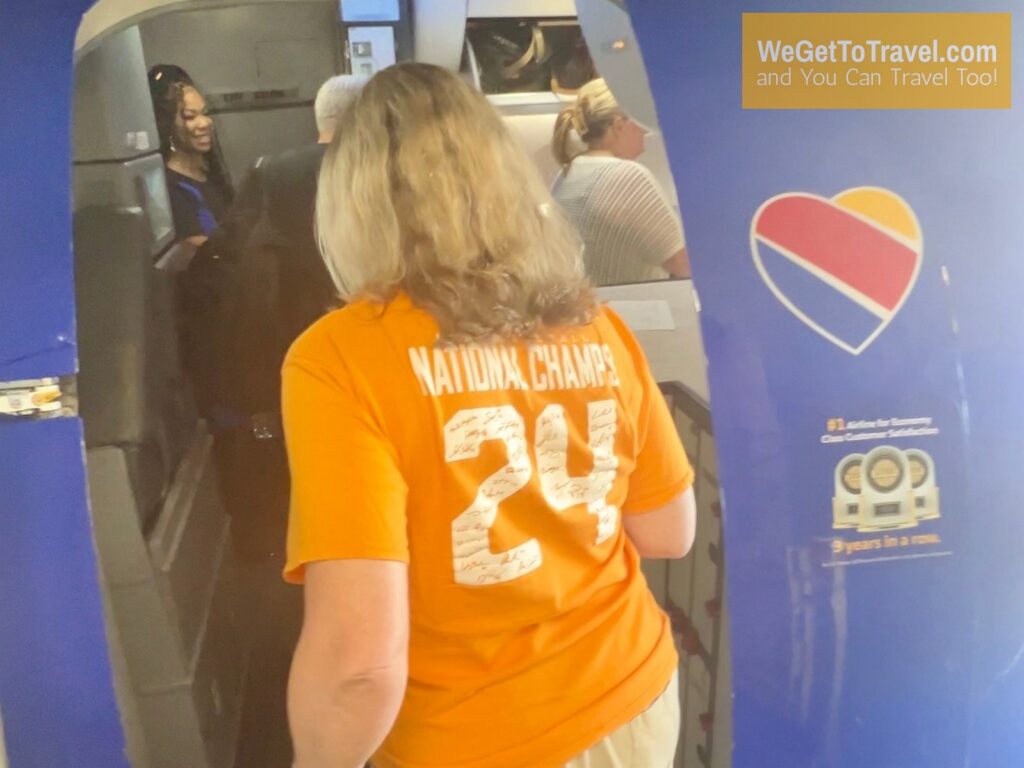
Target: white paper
(651, 315)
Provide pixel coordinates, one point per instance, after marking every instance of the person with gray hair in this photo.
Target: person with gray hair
(275, 285)
(333, 98)
(285, 198)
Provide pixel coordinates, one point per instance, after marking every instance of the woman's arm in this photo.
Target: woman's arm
(678, 265)
(646, 222)
(665, 532)
(350, 668)
(191, 245)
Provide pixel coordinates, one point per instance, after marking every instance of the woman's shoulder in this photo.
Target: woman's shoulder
(179, 179)
(631, 184)
(602, 171)
(174, 179)
(363, 328)
(179, 183)
(629, 170)
(320, 338)
(608, 317)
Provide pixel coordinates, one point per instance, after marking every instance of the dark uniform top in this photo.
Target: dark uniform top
(269, 235)
(273, 285)
(304, 285)
(198, 207)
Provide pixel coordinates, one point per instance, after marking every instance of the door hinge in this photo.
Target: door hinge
(37, 398)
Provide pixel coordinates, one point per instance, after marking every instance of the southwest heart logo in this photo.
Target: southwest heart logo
(844, 265)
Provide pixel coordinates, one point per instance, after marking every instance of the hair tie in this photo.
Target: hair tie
(576, 117)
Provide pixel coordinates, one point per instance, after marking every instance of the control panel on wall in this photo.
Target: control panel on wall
(377, 33)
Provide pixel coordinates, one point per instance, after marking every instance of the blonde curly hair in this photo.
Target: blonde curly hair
(424, 190)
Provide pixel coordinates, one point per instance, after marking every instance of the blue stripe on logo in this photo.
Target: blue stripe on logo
(834, 312)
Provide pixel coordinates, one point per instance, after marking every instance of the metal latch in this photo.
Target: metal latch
(40, 398)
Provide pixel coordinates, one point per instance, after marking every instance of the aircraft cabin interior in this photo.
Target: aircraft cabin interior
(202, 637)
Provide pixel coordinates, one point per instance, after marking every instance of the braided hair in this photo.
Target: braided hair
(167, 84)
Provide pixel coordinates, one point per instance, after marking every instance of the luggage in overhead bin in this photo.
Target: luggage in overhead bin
(511, 55)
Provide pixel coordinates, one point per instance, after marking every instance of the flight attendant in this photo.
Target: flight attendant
(480, 458)
(197, 180)
(200, 193)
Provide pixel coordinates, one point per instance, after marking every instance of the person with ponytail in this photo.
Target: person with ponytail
(197, 179)
(629, 229)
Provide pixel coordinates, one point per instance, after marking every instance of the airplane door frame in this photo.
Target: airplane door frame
(56, 685)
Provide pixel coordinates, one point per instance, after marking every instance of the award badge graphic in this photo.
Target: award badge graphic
(885, 489)
(843, 265)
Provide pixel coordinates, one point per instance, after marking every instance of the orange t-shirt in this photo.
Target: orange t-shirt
(498, 473)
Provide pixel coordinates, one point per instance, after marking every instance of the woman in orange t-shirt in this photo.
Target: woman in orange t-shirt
(480, 458)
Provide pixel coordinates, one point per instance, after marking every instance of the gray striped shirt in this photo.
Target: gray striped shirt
(628, 226)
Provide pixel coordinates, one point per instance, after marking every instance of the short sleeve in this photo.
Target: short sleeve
(348, 497)
(190, 210)
(662, 470)
(656, 233)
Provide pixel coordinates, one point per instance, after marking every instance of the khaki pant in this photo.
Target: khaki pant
(646, 741)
